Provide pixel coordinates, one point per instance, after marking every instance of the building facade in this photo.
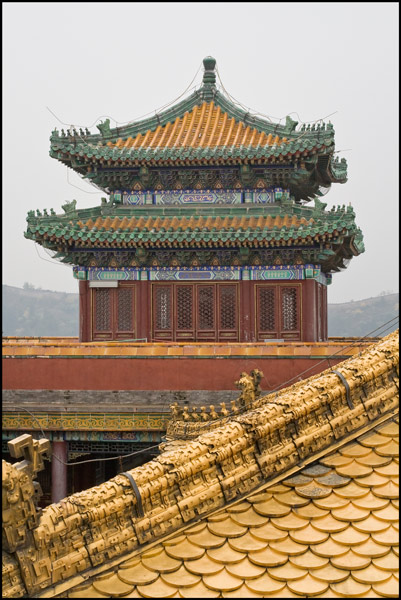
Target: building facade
(206, 233)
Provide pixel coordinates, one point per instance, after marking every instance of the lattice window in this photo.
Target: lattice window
(289, 309)
(103, 309)
(124, 306)
(205, 307)
(227, 307)
(163, 307)
(267, 317)
(184, 307)
(117, 447)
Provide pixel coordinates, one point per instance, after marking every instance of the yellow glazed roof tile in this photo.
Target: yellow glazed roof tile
(308, 585)
(245, 569)
(268, 557)
(181, 578)
(371, 502)
(350, 588)
(389, 588)
(242, 592)
(203, 566)
(268, 532)
(389, 562)
(350, 536)
(287, 572)
(372, 459)
(309, 560)
(200, 590)
(308, 535)
(157, 589)
(389, 536)
(350, 561)
(331, 574)
(330, 524)
(112, 586)
(265, 584)
(392, 469)
(371, 549)
(340, 539)
(223, 581)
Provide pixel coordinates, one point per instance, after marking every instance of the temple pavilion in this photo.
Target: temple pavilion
(212, 228)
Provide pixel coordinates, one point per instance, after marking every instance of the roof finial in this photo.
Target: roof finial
(209, 76)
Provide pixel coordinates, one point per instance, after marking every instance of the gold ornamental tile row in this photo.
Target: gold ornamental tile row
(251, 549)
(190, 480)
(84, 421)
(121, 348)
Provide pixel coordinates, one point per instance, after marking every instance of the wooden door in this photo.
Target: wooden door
(195, 312)
(278, 311)
(113, 313)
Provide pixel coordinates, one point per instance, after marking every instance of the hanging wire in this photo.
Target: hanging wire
(53, 262)
(269, 117)
(80, 189)
(188, 88)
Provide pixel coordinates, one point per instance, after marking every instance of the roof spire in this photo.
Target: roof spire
(209, 77)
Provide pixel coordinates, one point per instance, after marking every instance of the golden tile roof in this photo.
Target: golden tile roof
(264, 499)
(206, 125)
(286, 540)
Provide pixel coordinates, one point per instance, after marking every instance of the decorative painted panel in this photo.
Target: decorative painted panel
(202, 274)
(265, 274)
(219, 273)
(203, 196)
(198, 196)
(99, 274)
(133, 198)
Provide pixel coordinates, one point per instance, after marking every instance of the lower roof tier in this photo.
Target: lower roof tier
(199, 235)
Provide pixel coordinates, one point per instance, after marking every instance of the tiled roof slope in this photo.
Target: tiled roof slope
(330, 530)
(255, 227)
(97, 529)
(205, 127)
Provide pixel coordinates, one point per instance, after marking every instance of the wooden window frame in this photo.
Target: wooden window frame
(194, 333)
(279, 332)
(113, 333)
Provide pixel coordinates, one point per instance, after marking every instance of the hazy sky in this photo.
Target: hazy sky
(85, 61)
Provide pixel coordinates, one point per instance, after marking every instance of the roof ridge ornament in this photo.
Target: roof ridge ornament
(209, 78)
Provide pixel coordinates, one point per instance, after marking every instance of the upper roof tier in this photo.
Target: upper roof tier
(206, 128)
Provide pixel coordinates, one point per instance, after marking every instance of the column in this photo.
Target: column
(59, 471)
(84, 311)
(309, 311)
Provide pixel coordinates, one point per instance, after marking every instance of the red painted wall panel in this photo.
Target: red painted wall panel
(151, 374)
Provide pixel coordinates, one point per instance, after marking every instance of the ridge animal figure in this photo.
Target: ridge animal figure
(250, 388)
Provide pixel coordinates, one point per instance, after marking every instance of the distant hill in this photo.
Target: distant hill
(363, 316)
(38, 312)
